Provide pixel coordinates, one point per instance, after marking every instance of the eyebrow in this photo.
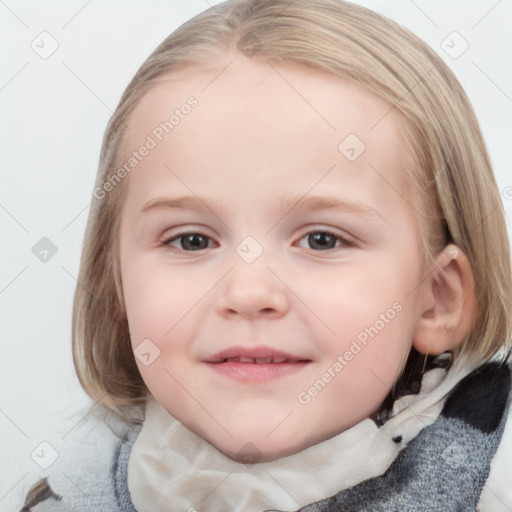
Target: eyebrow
(311, 203)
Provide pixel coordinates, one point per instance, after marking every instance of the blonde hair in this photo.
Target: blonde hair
(449, 164)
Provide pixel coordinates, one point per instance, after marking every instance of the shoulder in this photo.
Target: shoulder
(497, 492)
(90, 474)
(459, 462)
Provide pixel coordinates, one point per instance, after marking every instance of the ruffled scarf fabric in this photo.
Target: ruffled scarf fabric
(171, 468)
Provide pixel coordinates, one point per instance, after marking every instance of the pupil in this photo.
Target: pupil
(319, 240)
(193, 240)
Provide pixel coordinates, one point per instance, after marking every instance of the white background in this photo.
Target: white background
(53, 114)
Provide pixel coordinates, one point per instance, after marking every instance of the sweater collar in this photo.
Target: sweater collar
(172, 468)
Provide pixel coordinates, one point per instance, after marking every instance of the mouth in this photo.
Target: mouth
(257, 364)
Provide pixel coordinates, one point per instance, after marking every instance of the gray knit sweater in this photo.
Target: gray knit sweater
(444, 468)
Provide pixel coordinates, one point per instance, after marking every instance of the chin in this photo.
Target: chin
(250, 453)
(250, 444)
(249, 449)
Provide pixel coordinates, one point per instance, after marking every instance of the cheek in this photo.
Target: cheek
(152, 305)
(369, 315)
(363, 360)
(162, 305)
(359, 298)
(160, 311)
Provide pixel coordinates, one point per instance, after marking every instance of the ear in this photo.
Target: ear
(448, 303)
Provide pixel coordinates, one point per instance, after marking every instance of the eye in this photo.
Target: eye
(187, 241)
(323, 239)
(190, 241)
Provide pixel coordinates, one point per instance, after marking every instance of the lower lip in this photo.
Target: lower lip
(256, 372)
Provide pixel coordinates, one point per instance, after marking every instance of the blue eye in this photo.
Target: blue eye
(319, 240)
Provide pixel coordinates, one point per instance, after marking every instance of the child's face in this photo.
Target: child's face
(260, 139)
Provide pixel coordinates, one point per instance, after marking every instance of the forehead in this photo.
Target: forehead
(263, 120)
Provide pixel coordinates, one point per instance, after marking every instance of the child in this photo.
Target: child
(339, 340)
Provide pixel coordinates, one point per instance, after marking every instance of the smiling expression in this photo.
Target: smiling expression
(262, 240)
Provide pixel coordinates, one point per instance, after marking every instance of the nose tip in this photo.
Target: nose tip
(252, 290)
(252, 304)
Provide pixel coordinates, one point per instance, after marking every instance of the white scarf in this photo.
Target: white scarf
(171, 468)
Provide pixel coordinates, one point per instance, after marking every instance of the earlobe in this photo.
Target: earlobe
(448, 304)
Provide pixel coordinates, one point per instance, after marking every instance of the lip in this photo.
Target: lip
(235, 362)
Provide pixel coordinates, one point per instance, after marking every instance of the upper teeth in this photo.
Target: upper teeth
(260, 360)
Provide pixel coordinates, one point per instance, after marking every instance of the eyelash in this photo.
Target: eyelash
(347, 242)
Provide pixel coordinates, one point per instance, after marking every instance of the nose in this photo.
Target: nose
(253, 290)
